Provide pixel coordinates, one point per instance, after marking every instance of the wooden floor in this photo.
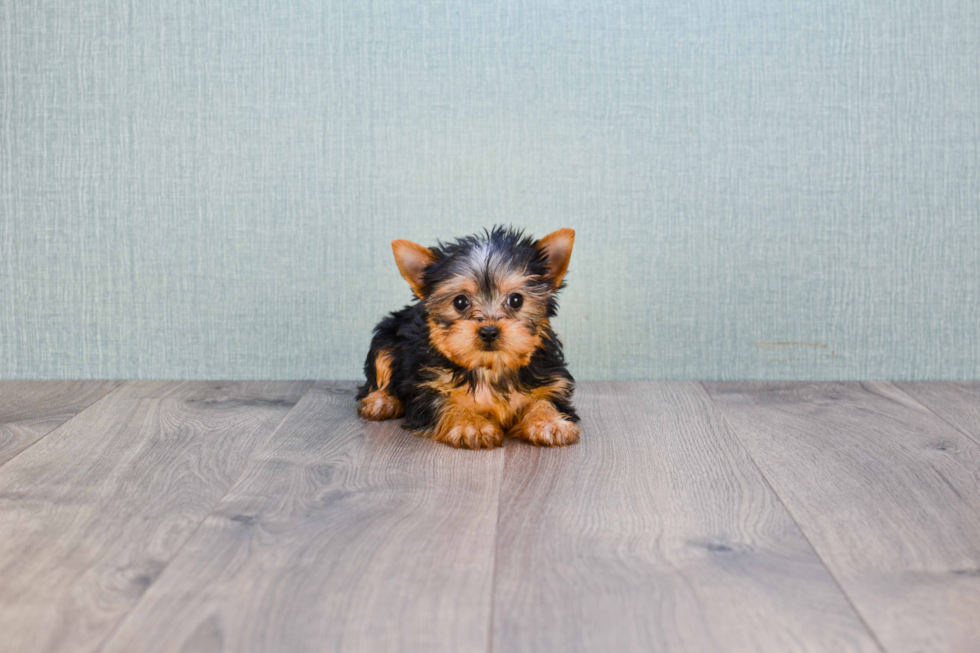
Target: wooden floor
(267, 517)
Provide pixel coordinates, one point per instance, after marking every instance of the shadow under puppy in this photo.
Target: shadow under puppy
(475, 356)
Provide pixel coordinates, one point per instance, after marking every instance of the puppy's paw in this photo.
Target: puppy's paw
(549, 431)
(380, 405)
(470, 433)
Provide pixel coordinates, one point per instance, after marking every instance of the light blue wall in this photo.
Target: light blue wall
(209, 189)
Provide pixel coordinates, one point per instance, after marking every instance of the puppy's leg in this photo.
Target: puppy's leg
(460, 426)
(379, 403)
(544, 426)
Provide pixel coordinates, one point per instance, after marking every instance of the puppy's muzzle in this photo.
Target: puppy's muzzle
(488, 333)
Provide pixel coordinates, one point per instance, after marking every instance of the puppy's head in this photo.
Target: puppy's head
(488, 297)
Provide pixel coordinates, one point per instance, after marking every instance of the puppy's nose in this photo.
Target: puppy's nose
(489, 333)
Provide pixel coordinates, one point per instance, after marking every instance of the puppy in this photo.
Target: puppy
(475, 357)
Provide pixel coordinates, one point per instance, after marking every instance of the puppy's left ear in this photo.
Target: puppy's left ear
(557, 250)
(412, 260)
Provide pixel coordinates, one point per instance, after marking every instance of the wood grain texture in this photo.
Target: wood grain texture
(29, 410)
(888, 494)
(656, 533)
(342, 535)
(957, 402)
(91, 514)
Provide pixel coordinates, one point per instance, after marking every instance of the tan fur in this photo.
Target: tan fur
(472, 406)
(380, 405)
(459, 426)
(382, 368)
(544, 426)
(513, 282)
(557, 248)
(458, 343)
(412, 259)
(442, 298)
(477, 413)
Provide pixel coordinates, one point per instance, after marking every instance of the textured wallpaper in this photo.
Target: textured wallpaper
(761, 189)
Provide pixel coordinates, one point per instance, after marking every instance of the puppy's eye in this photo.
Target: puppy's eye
(515, 301)
(461, 303)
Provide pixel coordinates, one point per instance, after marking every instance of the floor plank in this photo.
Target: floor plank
(888, 493)
(342, 535)
(957, 402)
(656, 533)
(91, 514)
(29, 410)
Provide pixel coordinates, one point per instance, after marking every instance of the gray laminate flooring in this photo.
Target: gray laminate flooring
(268, 517)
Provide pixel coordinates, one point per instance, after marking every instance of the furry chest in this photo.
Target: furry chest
(503, 406)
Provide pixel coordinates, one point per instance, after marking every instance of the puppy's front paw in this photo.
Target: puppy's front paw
(470, 433)
(380, 405)
(550, 431)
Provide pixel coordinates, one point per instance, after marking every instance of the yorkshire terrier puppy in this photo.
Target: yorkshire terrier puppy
(475, 357)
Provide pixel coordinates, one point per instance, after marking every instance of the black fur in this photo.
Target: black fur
(405, 334)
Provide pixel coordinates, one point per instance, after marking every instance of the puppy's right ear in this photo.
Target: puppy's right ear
(412, 260)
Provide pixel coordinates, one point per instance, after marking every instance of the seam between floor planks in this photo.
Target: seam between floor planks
(907, 399)
(64, 424)
(656, 534)
(342, 534)
(493, 559)
(140, 432)
(867, 470)
(122, 620)
(792, 515)
(110, 387)
(915, 390)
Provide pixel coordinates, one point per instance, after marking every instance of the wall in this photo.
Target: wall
(761, 188)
